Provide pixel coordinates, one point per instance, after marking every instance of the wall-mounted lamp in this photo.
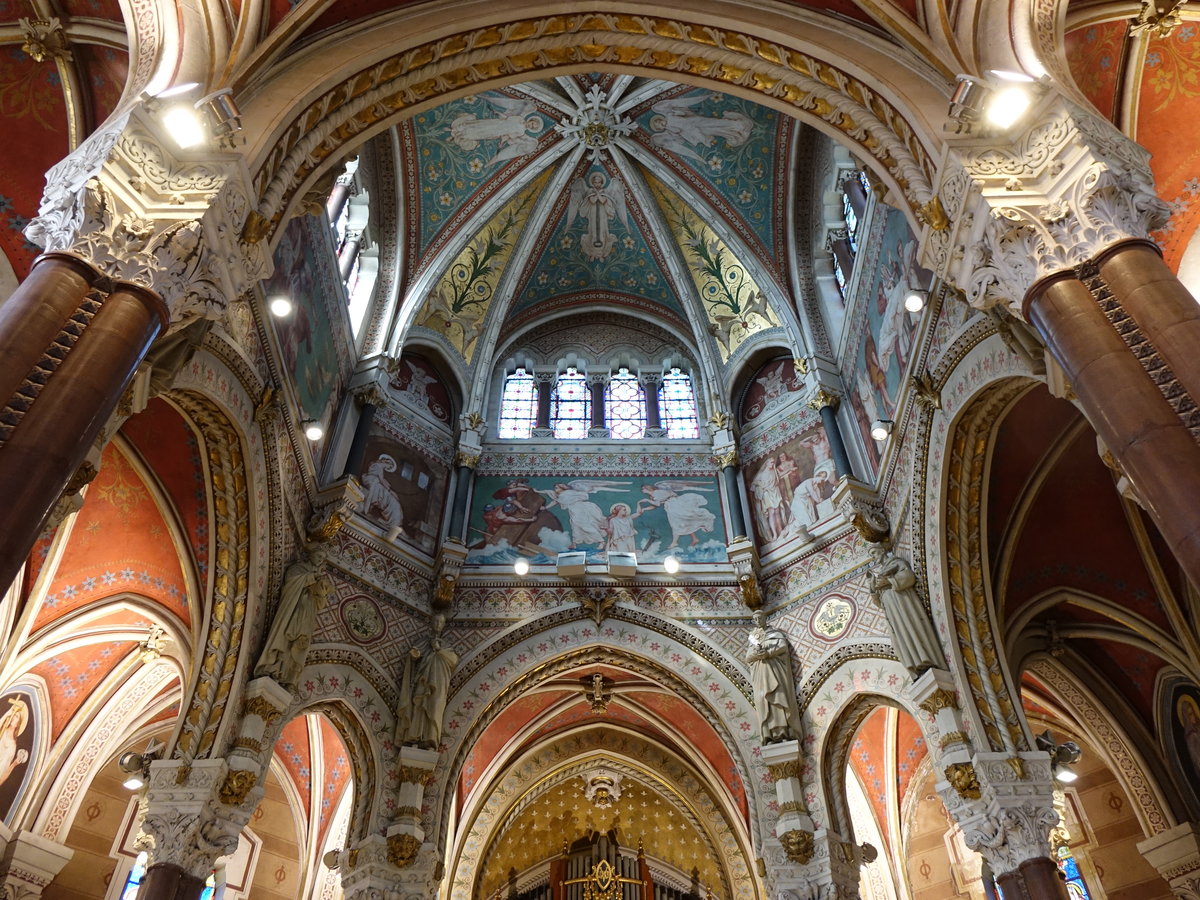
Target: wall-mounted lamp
(671, 564)
(622, 565)
(1062, 756)
(191, 124)
(914, 300)
(280, 306)
(881, 428)
(521, 566)
(313, 430)
(1000, 101)
(223, 115)
(137, 765)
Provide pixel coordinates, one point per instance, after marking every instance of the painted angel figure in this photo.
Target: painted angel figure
(677, 127)
(515, 129)
(597, 201)
(687, 511)
(589, 525)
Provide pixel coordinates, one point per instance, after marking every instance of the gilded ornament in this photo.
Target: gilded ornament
(402, 850)
(784, 770)
(963, 779)
(934, 215)
(414, 775)
(869, 531)
(409, 812)
(793, 806)
(1017, 765)
(751, 595)
(261, 707)
(256, 228)
(237, 785)
(470, 460)
(726, 459)
(44, 39)
(939, 700)
(798, 845)
(952, 737)
(823, 397)
(248, 743)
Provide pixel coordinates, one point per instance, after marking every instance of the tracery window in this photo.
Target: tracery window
(852, 221)
(677, 405)
(518, 405)
(571, 405)
(839, 274)
(1076, 888)
(625, 406)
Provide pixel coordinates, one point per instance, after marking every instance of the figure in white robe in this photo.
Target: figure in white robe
(686, 512)
(597, 201)
(12, 725)
(515, 129)
(768, 500)
(622, 533)
(894, 588)
(588, 523)
(770, 659)
(380, 501)
(305, 590)
(677, 127)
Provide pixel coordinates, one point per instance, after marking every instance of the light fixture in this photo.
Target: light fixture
(671, 564)
(914, 300)
(521, 566)
(622, 564)
(1062, 756)
(313, 430)
(1008, 105)
(184, 125)
(881, 428)
(133, 783)
(280, 306)
(1065, 774)
(572, 563)
(177, 90)
(1000, 104)
(222, 112)
(137, 765)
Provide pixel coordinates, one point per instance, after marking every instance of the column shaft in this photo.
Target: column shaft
(653, 414)
(358, 445)
(597, 389)
(837, 446)
(737, 518)
(1144, 434)
(1166, 313)
(543, 407)
(462, 493)
(56, 431)
(165, 881)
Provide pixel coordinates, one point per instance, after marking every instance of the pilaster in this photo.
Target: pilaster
(29, 863)
(1175, 853)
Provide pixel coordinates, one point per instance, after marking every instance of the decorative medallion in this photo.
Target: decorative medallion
(832, 618)
(595, 123)
(361, 618)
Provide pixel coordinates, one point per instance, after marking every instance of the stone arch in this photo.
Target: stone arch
(835, 95)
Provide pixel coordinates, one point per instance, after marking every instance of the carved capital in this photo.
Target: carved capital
(1040, 201)
(143, 214)
(44, 39)
(726, 459)
(798, 845)
(823, 397)
(938, 700)
(333, 507)
(963, 779)
(466, 458)
(402, 850)
(860, 506)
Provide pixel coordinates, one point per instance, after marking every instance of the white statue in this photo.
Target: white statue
(305, 590)
(423, 691)
(677, 127)
(894, 587)
(770, 658)
(597, 201)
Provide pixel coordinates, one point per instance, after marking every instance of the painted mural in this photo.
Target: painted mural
(1184, 728)
(884, 327)
(598, 243)
(305, 270)
(790, 487)
(539, 517)
(416, 380)
(19, 726)
(404, 490)
(771, 389)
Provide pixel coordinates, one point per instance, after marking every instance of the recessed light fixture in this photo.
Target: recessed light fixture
(313, 430)
(280, 306)
(521, 566)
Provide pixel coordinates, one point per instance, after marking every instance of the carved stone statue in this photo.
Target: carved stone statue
(769, 655)
(894, 587)
(305, 590)
(423, 691)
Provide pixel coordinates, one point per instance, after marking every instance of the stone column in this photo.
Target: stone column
(596, 385)
(369, 398)
(654, 426)
(464, 475)
(66, 399)
(729, 466)
(29, 863)
(545, 385)
(1175, 853)
(1053, 222)
(349, 253)
(826, 403)
(795, 827)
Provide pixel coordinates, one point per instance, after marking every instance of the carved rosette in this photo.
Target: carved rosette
(141, 213)
(1041, 201)
(195, 813)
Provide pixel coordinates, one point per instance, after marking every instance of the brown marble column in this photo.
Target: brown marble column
(1128, 410)
(55, 431)
(166, 881)
(1165, 311)
(1034, 879)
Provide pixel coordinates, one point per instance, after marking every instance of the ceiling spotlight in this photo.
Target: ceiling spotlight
(671, 564)
(914, 300)
(881, 428)
(222, 112)
(1000, 104)
(521, 566)
(280, 306)
(967, 101)
(184, 125)
(137, 765)
(177, 90)
(313, 430)
(1065, 774)
(1006, 106)
(133, 783)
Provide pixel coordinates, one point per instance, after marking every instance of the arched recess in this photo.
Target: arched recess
(660, 651)
(413, 61)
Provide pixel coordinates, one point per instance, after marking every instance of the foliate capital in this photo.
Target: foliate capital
(1023, 206)
(144, 213)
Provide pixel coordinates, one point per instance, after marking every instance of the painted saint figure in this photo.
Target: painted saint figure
(12, 726)
(423, 691)
(622, 534)
(380, 501)
(768, 500)
(894, 588)
(515, 129)
(677, 127)
(588, 522)
(686, 512)
(597, 201)
(306, 587)
(770, 658)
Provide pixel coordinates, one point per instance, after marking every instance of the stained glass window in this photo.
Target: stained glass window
(210, 888)
(1076, 888)
(518, 405)
(136, 874)
(571, 405)
(677, 406)
(864, 181)
(625, 406)
(851, 222)
(839, 275)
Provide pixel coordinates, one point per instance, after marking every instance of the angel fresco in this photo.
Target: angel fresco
(515, 129)
(686, 510)
(589, 525)
(597, 201)
(677, 127)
